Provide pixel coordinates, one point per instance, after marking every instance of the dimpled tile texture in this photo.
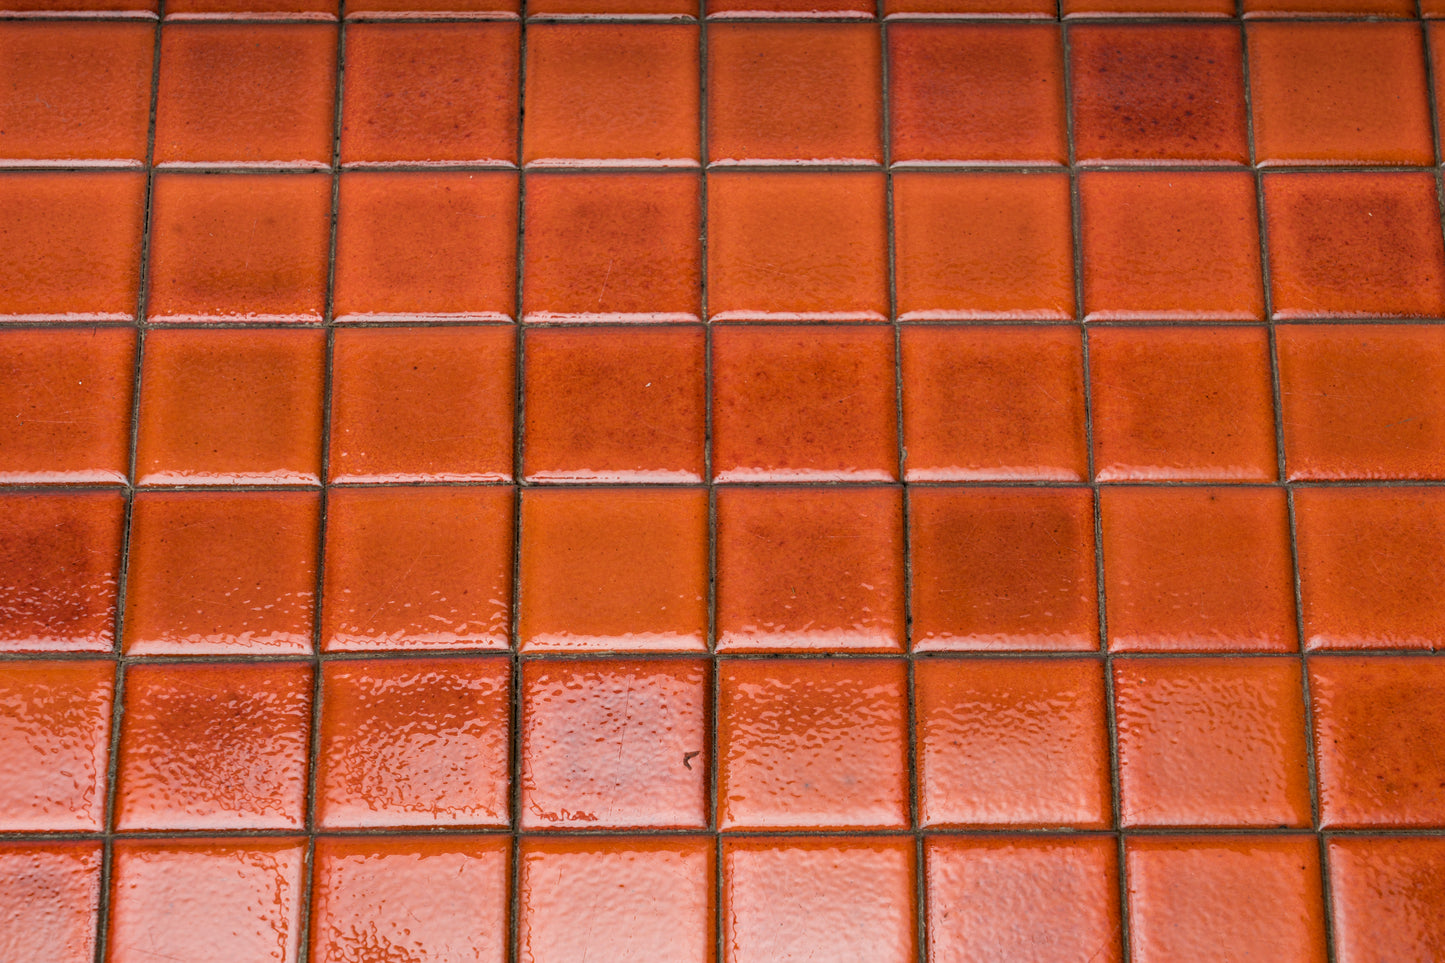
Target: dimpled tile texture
(722, 481)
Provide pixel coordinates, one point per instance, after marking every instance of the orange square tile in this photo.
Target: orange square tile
(983, 246)
(1023, 899)
(1379, 722)
(70, 246)
(1388, 898)
(835, 899)
(586, 259)
(206, 900)
(413, 742)
(613, 9)
(54, 740)
(79, 93)
(49, 900)
(1352, 245)
(231, 407)
(804, 404)
(812, 744)
(1190, 569)
(430, 93)
(256, 9)
(239, 248)
(419, 9)
(611, 569)
(616, 95)
(221, 573)
(1170, 246)
(65, 405)
(271, 104)
(59, 561)
(1012, 742)
(961, 9)
(1225, 897)
(976, 94)
(810, 569)
(1003, 568)
(442, 899)
(614, 745)
(615, 404)
(1433, 9)
(218, 745)
(1149, 94)
(794, 93)
(417, 568)
(1330, 8)
(658, 903)
(422, 404)
(1073, 9)
(1182, 404)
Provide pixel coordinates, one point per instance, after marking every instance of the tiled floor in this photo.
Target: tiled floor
(620, 480)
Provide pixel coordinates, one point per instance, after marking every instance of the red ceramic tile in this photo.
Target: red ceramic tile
(413, 742)
(847, 900)
(612, 9)
(1150, 94)
(1003, 568)
(790, 9)
(1225, 898)
(1012, 742)
(960, 9)
(1147, 8)
(438, 899)
(239, 248)
(1354, 245)
(1434, 9)
(658, 902)
(613, 569)
(422, 404)
(49, 899)
(1330, 8)
(430, 94)
(231, 407)
(1182, 404)
(615, 404)
(418, 9)
(79, 94)
(206, 900)
(54, 737)
(70, 246)
(65, 403)
(271, 106)
(812, 744)
(810, 569)
(132, 9)
(804, 404)
(614, 745)
(1170, 246)
(1379, 723)
(230, 573)
(59, 561)
(1388, 898)
(417, 568)
(1023, 899)
(617, 95)
(586, 260)
(252, 9)
(794, 93)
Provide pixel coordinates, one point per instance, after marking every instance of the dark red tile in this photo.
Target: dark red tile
(1388, 898)
(622, 9)
(1148, 8)
(961, 9)
(418, 9)
(54, 740)
(49, 900)
(790, 9)
(257, 9)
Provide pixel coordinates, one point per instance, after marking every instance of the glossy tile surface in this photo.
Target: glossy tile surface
(1387, 897)
(55, 734)
(49, 900)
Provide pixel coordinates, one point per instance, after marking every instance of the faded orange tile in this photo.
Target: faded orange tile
(50, 898)
(1388, 897)
(54, 745)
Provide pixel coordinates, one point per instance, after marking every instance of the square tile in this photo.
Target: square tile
(794, 94)
(615, 95)
(586, 259)
(609, 569)
(810, 569)
(422, 404)
(620, 9)
(961, 9)
(417, 9)
(804, 404)
(790, 9)
(1073, 9)
(613, 404)
(135, 9)
(413, 742)
(1003, 569)
(1170, 246)
(976, 94)
(1329, 8)
(1182, 404)
(257, 9)
(614, 745)
(231, 407)
(812, 744)
(223, 573)
(54, 742)
(217, 745)
(442, 899)
(49, 900)
(417, 568)
(1388, 897)
(1012, 742)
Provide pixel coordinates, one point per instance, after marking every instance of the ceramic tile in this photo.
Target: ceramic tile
(809, 744)
(791, 9)
(1388, 897)
(413, 742)
(624, 9)
(131, 9)
(418, 9)
(55, 734)
(960, 9)
(49, 900)
(257, 9)
(1148, 8)
(1329, 8)
(1433, 9)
